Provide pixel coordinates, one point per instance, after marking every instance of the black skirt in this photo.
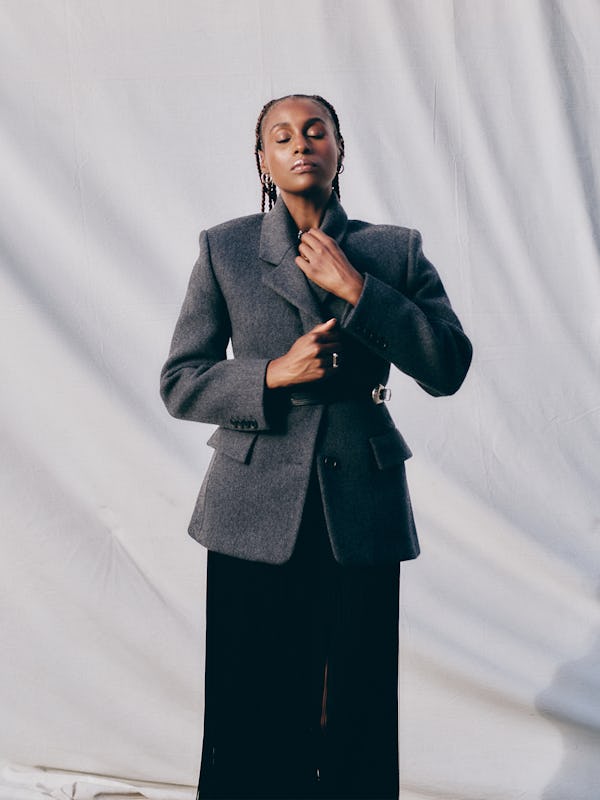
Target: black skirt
(301, 675)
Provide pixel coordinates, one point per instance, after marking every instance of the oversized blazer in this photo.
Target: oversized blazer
(246, 290)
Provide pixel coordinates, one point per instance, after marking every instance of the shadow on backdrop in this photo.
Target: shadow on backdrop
(572, 704)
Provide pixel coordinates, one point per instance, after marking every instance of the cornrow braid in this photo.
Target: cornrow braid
(268, 188)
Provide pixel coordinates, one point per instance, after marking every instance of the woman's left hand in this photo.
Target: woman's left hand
(322, 260)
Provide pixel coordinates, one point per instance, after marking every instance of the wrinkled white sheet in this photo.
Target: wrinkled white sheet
(126, 128)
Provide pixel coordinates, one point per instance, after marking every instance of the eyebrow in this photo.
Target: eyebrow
(308, 122)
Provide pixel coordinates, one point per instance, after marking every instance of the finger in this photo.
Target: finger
(307, 235)
(303, 263)
(305, 251)
(328, 337)
(316, 233)
(306, 238)
(315, 237)
(316, 240)
(328, 348)
(325, 326)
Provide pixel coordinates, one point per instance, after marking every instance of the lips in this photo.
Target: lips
(303, 165)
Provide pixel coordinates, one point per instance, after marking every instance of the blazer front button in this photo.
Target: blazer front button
(331, 462)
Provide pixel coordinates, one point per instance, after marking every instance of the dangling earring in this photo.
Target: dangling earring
(336, 181)
(269, 190)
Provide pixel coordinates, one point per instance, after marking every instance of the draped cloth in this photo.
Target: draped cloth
(126, 128)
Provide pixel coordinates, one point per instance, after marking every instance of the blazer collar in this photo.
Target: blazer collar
(279, 248)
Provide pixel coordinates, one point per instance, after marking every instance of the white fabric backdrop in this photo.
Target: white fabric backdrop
(126, 128)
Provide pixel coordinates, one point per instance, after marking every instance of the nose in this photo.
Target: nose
(301, 144)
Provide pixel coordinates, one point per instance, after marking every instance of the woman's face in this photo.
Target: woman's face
(300, 149)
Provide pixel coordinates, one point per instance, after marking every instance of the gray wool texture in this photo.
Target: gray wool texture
(245, 287)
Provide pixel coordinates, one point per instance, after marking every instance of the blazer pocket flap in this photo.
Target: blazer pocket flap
(235, 444)
(390, 449)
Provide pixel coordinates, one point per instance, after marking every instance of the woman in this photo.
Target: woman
(304, 509)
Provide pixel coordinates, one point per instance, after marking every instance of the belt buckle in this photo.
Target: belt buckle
(380, 394)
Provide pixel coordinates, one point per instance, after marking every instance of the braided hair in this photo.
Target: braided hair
(268, 188)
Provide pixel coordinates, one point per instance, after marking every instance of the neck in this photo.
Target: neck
(307, 212)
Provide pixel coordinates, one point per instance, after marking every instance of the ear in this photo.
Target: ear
(261, 159)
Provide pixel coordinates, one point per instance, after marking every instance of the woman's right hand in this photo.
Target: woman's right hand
(310, 358)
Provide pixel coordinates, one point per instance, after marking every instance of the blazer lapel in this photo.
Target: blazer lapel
(279, 248)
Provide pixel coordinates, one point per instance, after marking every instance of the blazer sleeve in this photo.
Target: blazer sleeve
(198, 382)
(413, 327)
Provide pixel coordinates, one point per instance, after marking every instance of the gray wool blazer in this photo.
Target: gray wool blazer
(246, 289)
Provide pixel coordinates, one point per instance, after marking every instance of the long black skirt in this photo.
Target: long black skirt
(301, 675)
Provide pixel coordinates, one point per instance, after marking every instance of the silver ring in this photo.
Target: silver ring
(335, 362)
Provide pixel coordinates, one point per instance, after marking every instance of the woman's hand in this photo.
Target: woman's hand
(322, 260)
(310, 358)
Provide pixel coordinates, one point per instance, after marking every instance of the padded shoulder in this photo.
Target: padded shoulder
(227, 240)
(238, 226)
